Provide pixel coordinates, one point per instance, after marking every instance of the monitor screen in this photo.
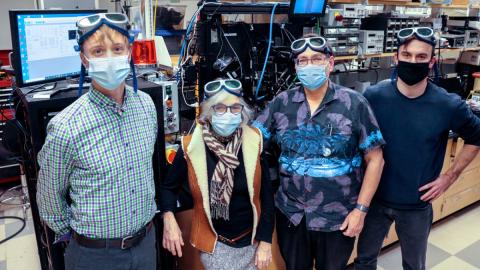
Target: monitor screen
(308, 7)
(43, 44)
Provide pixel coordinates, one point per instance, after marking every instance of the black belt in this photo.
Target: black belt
(234, 240)
(122, 243)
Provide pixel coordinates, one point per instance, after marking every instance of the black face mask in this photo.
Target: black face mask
(412, 73)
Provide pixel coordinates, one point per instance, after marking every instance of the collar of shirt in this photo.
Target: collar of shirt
(103, 101)
(330, 96)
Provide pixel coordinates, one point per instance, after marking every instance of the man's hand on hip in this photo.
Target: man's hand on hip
(437, 187)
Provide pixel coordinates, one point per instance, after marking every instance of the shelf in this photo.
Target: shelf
(352, 57)
(394, 3)
(390, 54)
(415, 4)
(450, 6)
(345, 1)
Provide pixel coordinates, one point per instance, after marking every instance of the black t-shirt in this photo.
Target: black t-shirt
(416, 131)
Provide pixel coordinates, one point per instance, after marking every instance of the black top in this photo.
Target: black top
(416, 131)
(241, 213)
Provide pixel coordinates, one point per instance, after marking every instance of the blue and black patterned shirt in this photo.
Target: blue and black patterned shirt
(321, 170)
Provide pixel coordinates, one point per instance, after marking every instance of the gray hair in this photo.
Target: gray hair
(207, 104)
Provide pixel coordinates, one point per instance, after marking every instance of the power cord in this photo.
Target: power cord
(233, 50)
(259, 85)
(17, 232)
(25, 204)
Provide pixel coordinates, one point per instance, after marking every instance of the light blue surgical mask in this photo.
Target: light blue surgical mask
(109, 72)
(312, 76)
(225, 124)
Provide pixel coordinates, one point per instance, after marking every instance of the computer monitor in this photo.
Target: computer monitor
(43, 44)
(307, 8)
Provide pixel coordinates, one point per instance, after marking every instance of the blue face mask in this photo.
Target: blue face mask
(312, 76)
(225, 124)
(109, 72)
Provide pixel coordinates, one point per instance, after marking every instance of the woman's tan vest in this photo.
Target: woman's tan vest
(202, 235)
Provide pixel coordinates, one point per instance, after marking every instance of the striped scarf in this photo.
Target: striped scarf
(222, 180)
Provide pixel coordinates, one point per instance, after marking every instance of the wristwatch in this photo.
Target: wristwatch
(362, 207)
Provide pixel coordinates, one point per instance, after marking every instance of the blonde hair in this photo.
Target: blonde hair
(103, 33)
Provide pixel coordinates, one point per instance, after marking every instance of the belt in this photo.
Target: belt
(122, 243)
(234, 240)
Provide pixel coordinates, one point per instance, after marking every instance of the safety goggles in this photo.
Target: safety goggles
(425, 34)
(89, 24)
(232, 86)
(318, 44)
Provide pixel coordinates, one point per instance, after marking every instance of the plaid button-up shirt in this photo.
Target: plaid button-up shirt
(100, 154)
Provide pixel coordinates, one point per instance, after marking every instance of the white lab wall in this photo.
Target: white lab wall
(5, 6)
(106, 4)
(67, 4)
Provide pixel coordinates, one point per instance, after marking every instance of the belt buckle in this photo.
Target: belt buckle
(122, 246)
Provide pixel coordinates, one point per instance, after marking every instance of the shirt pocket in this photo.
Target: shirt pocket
(100, 153)
(340, 141)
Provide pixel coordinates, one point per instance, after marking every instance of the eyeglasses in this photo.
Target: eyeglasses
(232, 86)
(89, 24)
(221, 109)
(301, 62)
(423, 33)
(318, 44)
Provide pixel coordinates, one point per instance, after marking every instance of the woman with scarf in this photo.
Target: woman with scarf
(233, 218)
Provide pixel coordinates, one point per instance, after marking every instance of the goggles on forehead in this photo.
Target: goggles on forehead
(424, 34)
(318, 44)
(86, 26)
(232, 86)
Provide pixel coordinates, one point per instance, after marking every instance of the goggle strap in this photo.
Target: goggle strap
(81, 80)
(393, 76)
(207, 96)
(102, 22)
(431, 40)
(232, 92)
(324, 50)
(134, 79)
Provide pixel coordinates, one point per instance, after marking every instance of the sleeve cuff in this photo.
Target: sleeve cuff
(264, 239)
(374, 140)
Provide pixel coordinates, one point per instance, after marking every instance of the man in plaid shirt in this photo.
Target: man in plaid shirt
(98, 151)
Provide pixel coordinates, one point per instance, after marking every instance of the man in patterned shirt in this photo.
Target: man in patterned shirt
(98, 151)
(330, 162)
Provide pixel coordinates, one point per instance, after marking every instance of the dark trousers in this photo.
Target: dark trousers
(300, 247)
(139, 257)
(412, 226)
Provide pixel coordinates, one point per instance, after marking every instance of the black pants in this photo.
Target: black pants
(139, 257)
(412, 226)
(300, 247)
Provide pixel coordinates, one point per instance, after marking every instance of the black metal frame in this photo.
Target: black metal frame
(210, 17)
(243, 8)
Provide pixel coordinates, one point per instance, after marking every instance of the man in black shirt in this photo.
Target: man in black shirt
(415, 117)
